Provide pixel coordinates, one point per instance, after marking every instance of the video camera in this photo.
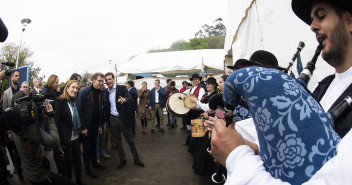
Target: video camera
(7, 71)
(26, 110)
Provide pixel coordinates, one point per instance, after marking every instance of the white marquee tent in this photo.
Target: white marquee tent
(175, 61)
(270, 25)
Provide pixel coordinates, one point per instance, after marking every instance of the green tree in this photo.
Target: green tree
(62, 84)
(216, 42)
(179, 46)
(210, 31)
(86, 77)
(9, 54)
(198, 43)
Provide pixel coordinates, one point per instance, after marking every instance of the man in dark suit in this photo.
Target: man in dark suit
(91, 113)
(119, 115)
(134, 94)
(36, 88)
(156, 104)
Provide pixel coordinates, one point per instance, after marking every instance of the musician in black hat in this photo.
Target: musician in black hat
(331, 21)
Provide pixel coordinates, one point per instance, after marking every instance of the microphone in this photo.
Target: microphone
(299, 49)
(8, 63)
(3, 31)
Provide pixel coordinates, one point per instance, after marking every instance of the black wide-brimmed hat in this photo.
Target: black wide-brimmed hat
(302, 8)
(240, 63)
(195, 76)
(259, 58)
(211, 80)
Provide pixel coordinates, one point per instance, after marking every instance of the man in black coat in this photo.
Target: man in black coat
(90, 109)
(119, 115)
(134, 94)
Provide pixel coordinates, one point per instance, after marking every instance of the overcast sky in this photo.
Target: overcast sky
(69, 36)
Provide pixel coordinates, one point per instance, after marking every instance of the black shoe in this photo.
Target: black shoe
(92, 174)
(162, 130)
(122, 164)
(139, 163)
(183, 128)
(152, 131)
(168, 124)
(99, 166)
(157, 125)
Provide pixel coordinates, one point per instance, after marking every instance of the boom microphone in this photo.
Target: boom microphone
(8, 63)
(3, 31)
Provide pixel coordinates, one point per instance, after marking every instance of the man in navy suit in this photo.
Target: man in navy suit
(119, 114)
(134, 94)
(156, 104)
(90, 109)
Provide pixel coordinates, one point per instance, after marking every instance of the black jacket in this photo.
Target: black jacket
(134, 94)
(124, 110)
(344, 124)
(63, 120)
(85, 107)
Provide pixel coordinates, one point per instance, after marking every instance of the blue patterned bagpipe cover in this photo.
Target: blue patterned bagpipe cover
(294, 132)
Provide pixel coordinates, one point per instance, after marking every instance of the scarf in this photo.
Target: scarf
(76, 120)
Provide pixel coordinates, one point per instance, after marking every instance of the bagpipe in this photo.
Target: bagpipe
(295, 134)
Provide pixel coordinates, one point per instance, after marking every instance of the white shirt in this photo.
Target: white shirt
(244, 167)
(200, 94)
(36, 90)
(112, 99)
(157, 95)
(336, 88)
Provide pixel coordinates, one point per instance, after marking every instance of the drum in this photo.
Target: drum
(188, 102)
(175, 104)
(198, 128)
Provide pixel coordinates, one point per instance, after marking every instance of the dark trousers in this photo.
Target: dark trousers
(184, 120)
(133, 122)
(15, 157)
(73, 154)
(117, 128)
(90, 147)
(60, 162)
(157, 118)
(55, 180)
(3, 169)
(144, 122)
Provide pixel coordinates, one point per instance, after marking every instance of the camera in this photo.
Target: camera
(26, 110)
(7, 71)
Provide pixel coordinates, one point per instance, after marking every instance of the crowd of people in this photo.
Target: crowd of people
(263, 126)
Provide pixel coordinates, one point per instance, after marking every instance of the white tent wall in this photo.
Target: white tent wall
(271, 25)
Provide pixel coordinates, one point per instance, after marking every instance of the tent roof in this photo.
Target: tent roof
(175, 61)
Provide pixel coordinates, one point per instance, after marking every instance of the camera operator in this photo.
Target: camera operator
(7, 102)
(3, 169)
(35, 165)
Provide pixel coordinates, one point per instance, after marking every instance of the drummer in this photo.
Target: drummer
(196, 90)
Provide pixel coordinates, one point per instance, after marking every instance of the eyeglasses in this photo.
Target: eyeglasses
(100, 81)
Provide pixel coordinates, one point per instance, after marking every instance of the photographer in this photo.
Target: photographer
(29, 142)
